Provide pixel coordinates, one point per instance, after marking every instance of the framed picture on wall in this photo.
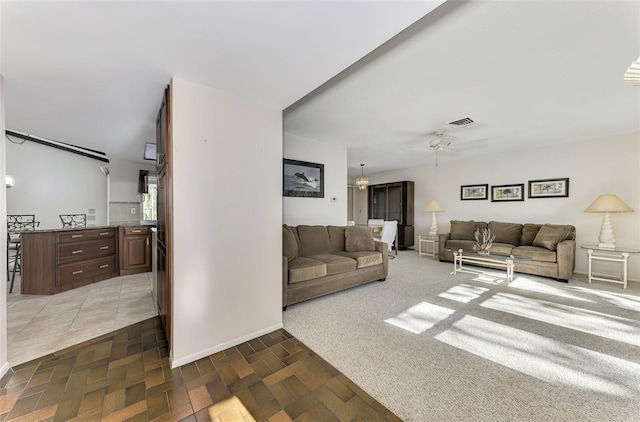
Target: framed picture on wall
(473, 192)
(504, 193)
(302, 179)
(550, 188)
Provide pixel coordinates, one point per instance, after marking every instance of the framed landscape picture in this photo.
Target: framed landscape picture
(550, 188)
(302, 179)
(472, 192)
(507, 193)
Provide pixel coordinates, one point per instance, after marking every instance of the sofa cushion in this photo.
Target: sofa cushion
(466, 230)
(314, 240)
(364, 258)
(535, 253)
(336, 236)
(509, 233)
(302, 269)
(289, 244)
(336, 263)
(357, 239)
(550, 235)
(501, 248)
(529, 232)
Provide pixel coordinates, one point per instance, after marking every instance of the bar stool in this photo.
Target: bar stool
(73, 220)
(16, 224)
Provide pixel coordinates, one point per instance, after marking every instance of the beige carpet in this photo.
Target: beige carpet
(436, 347)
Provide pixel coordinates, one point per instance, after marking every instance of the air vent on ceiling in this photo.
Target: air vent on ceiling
(462, 122)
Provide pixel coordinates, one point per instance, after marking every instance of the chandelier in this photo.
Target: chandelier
(362, 182)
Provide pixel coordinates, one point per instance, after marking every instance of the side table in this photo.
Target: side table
(430, 245)
(619, 254)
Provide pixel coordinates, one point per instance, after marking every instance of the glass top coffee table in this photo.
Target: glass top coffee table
(493, 260)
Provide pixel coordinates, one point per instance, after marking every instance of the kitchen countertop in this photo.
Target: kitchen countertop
(67, 229)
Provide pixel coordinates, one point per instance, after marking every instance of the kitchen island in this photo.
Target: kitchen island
(57, 260)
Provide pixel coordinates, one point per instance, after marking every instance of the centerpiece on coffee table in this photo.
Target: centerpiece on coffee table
(484, 240)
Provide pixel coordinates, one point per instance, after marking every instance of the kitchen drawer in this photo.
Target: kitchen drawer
(136, 230)
(80, 235)
(77, 251)
(68, 273)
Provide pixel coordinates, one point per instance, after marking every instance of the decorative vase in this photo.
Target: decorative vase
(484, 240)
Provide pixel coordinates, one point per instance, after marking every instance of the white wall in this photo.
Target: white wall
(227, 211)
(4, 364)
(594, 167)
(320, 211)
(50, 182)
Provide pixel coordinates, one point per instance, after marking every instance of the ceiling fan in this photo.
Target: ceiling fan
(443, 142)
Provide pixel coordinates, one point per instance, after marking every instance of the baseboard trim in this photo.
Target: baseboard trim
(220, 347)
(5, 368)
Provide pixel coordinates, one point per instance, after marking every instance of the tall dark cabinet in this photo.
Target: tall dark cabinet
(164, 207)
(394, 201)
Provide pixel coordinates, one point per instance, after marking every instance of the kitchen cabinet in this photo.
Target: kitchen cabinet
(394, 201)
(54, 261)
(134, 250)
(164, 163)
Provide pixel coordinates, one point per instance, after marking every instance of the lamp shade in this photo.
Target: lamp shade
(433, 206)
(632, 75)
(608, 203)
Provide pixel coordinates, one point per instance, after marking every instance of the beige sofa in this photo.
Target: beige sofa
(318, 260)
(552, 248)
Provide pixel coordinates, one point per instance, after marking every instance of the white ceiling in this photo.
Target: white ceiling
(92, 73)
(530, 73)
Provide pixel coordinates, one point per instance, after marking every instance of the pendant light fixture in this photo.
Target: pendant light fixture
(362, 182)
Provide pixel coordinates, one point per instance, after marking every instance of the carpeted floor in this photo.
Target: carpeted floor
(436, 347)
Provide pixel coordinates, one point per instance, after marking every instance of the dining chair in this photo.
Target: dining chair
(73, 220)
(16, 224)
(376, 224)
(390, 236)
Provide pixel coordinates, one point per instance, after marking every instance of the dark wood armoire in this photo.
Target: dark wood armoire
(394, 201)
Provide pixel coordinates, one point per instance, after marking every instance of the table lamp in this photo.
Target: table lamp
(433, 207)
(607, 204)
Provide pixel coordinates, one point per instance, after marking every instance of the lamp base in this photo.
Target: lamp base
(603, 245)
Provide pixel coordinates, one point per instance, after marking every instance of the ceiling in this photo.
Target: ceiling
(92, 73)
(529, 73)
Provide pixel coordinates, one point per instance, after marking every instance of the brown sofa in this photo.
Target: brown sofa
(551, 247)
(318, 260)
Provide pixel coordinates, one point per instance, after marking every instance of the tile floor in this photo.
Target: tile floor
(39, 325)
(125, 376)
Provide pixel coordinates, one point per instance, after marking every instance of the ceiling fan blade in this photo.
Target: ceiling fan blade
(466, 144)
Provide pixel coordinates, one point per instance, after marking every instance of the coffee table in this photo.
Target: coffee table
(493, 260)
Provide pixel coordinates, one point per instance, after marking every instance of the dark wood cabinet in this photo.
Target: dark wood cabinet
(57, 260)
(164, 163)
(134, 250)
(394, 201)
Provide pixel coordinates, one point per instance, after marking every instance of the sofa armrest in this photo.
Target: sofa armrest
(566, 259)
(285, 280)
(383, 248)
(442, 240)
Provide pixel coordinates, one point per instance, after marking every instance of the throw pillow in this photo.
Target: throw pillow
(550, 235)
(358, 239)
(289, 244)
